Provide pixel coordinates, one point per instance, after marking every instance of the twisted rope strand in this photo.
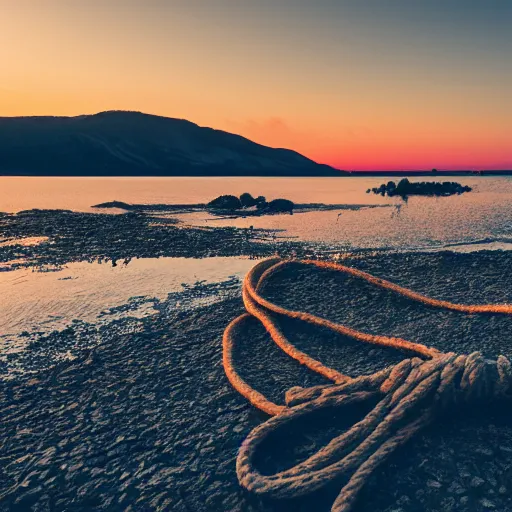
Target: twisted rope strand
(410, 393)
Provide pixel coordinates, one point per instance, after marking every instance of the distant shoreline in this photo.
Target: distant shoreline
(122, 144)
(430, 173)
(343, 174)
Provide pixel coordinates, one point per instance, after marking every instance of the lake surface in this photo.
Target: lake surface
(484, 215)
(91, 293)
(85, 291)
(22, 193)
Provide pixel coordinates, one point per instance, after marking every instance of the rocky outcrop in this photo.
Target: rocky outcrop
(280, 206)
(225, 202)
(114, 204)
(247, 200)
(406, 188)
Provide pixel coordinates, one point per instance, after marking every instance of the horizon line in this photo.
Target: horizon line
(336, 167)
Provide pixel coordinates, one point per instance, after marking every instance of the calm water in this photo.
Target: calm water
(81, 193)
(41, 302)
(483, 215)
(86, 290)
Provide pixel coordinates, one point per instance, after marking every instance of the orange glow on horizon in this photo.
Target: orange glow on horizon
(357, 96)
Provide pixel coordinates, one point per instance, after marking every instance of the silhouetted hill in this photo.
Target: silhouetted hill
(132, 143)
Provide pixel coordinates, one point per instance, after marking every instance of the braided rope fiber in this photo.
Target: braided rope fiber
(409, 394)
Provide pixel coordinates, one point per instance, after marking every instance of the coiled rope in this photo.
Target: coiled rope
(410, 393)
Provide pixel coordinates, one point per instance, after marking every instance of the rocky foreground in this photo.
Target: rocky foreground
(147, 420)
(142, 231)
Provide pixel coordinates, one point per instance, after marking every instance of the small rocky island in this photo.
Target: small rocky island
(244, 205)
(232, 206)
(250, 204)
(405, 188)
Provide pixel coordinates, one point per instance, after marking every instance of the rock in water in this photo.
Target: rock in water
(114, 204)
(225, 202)
(425, 188)
(247, 200)
(280, 205)
(402, 188)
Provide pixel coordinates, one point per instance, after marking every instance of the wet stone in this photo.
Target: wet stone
(477, 482)
(487, 452)
(403, 500)
(448, 503)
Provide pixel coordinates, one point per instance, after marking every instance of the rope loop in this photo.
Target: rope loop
(409, 395)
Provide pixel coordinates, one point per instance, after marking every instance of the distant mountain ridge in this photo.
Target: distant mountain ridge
(122, 143)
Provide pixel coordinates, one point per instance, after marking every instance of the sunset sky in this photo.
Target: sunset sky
(357, 84)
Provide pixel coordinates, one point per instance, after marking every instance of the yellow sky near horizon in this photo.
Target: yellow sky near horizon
(335, 84)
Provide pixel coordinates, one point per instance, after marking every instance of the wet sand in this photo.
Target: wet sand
(146, 420)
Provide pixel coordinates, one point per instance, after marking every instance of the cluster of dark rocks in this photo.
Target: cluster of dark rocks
(406, 188)
(243, 206)
(246, 201)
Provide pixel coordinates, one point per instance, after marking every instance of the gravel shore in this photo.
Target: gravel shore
(147, 420)
(74, 236)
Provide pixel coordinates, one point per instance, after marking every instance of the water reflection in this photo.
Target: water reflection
(422, 221)
(82, 291)
(484, 213)
(24, 242)
(79, 194)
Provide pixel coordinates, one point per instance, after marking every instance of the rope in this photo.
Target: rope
(410, 393)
